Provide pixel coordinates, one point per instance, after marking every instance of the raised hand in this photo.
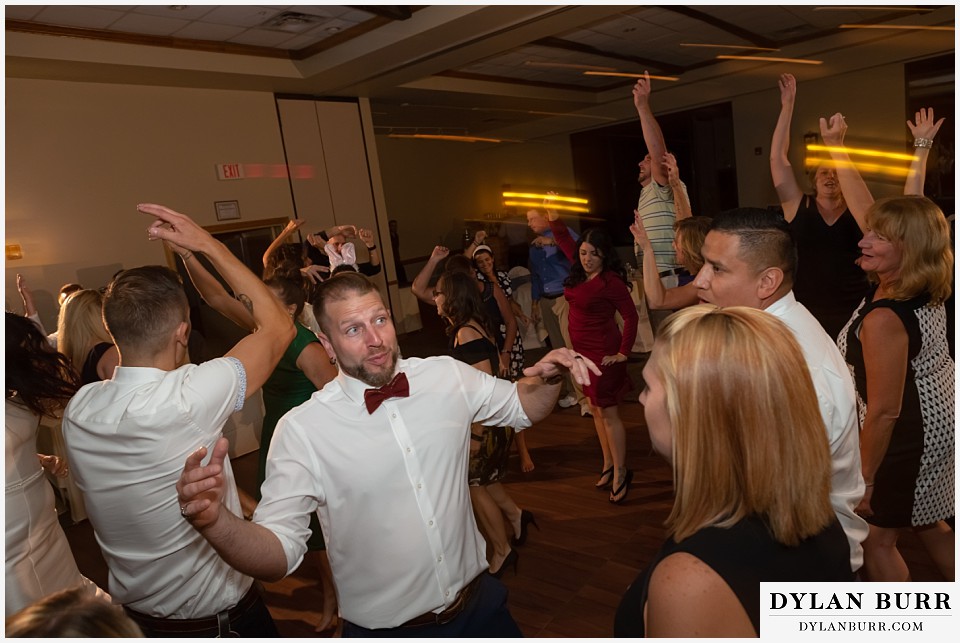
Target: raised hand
(366, 236)
(788, 89)
(200, 489)
(924, 125)
(315, 273)
(439, 253)
(348, 231)
(833, 130)
(479, 237)
(171, 225)
(639, 232)
(670, 165)
(641, 91)
(293, 225)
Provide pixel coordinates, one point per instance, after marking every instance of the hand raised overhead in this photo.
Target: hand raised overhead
(925, 126)
(171, 225)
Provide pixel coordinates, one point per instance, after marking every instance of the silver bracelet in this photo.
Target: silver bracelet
(923, 142)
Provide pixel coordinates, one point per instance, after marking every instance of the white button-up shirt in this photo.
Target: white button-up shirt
(390, 489)
(837, 398)
(127, 439)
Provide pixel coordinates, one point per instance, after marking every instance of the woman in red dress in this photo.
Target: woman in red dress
(596, 290)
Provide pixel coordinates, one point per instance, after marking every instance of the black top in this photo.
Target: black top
(475, 350)
(744, 555)
(88, 373)
(828, 282)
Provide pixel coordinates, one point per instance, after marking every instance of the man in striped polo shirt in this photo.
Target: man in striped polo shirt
(663, 197)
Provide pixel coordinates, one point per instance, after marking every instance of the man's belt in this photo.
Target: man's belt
(452, 612)
(187, 625)
(546, 296)
(672, 271)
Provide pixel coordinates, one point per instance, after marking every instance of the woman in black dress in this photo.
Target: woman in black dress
(471, 341)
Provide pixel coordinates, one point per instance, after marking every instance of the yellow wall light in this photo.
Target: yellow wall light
(539, 204)
(535, 195)
(860, 151)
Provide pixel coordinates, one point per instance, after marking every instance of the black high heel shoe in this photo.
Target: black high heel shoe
(606, 479)
(622, 489)
(511, 560)
(526, 518)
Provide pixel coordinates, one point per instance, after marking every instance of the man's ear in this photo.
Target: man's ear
(183, 333)
(327, 346)
(770, 281)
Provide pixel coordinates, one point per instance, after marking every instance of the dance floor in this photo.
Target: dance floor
(572, 572)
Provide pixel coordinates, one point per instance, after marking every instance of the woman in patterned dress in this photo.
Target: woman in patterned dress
(896, 346)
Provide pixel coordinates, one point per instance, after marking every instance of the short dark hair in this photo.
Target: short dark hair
(765, 239)
(291, 292)
(458, 263)
(142, 306)
(337, 288)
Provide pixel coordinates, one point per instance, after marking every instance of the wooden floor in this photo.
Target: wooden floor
(572, 571)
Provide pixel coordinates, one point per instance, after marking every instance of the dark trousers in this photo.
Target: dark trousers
(252, 621)
(486, 614)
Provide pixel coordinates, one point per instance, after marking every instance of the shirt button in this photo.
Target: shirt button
(447, 593)
(408, 449)
(419, 486)
(440, 558)
(430, 523)
(393, 415)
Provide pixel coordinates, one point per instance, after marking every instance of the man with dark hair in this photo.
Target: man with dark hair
(380, 455)
(127, 437)
(750, 259)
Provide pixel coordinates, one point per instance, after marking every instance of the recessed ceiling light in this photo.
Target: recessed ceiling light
(333, 29)
(772, 59)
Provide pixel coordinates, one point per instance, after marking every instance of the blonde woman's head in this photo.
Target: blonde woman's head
(737, 416)
(80, 326)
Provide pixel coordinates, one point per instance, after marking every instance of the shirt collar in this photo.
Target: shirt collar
(782, 305)
(354, 388)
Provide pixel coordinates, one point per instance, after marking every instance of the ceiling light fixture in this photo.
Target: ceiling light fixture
(535, 195)
(918, 27)
(771, 59)
(534, 63)
(704, 44)
(620, 74)
(449, 137)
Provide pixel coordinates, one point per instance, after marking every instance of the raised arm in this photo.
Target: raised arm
(784, 180)
(681, 200)
(478, 238)
(652, 135)
(855, 191)
(29, 308)
(259, 352)
(540, 385)
(924, 131)
(212, 291)
(371, 267)
(658, 297)
(561, 234)
(292, 226)
(421, 283)
(245, 546)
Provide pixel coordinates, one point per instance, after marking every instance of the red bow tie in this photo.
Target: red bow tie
(398, 387)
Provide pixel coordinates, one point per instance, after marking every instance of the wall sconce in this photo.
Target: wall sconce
(14, 252)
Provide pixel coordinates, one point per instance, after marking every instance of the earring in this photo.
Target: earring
(333, 360)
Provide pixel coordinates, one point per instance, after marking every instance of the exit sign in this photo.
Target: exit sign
(229, 171)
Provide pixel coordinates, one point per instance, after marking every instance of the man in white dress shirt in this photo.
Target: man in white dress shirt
(127, 438)
(380, 454)
(750, 259)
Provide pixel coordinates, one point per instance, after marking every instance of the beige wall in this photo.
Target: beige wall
(872, 101)
(80, 156)
(431, 187)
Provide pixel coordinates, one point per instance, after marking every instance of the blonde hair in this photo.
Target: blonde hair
(690, 233)
(80, 326)
(917, 226)
(748, 438)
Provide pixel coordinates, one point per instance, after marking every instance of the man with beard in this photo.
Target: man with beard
(380, 454)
